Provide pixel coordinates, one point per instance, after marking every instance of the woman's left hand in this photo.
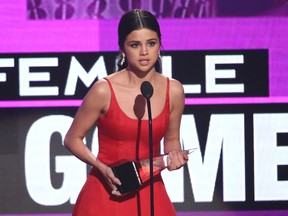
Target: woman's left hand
(176, 159)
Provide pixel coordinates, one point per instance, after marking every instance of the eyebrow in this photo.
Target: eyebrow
(135, 41)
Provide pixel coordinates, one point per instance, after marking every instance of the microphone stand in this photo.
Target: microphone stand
(151, 158)
(147, 92)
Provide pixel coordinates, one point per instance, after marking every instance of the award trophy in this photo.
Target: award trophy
(133, 174)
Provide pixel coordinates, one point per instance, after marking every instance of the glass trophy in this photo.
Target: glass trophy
(133, 174)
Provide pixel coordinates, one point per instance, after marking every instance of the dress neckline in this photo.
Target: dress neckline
(136, 119)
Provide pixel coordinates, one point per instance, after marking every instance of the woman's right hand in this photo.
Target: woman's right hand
(111, 180)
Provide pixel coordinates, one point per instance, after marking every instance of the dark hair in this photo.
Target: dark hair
(133, 20)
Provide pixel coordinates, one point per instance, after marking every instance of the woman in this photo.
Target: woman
(116, 105)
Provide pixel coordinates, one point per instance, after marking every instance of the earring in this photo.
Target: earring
(159, 56)
(122, 60)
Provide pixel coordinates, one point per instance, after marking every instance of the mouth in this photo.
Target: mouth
(144, 62)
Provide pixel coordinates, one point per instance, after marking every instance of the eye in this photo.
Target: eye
(134, 45)
(151, 43)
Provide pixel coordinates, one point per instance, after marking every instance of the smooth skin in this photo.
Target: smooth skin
(141, 48)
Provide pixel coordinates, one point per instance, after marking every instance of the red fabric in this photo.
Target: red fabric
(122, 138)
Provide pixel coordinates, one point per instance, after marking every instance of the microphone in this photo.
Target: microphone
(147, 89)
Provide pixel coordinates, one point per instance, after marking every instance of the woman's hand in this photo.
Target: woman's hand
(176, 159)
(111, 180)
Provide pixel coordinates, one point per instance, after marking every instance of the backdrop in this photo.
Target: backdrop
(231, 57)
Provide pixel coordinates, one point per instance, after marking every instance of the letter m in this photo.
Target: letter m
(76, 72)
(226, 134)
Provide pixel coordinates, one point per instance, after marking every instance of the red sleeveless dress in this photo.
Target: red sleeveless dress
(123, 138)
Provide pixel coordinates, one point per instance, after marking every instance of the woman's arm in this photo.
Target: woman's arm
(92, 107)
(95, 104)
(172, 137)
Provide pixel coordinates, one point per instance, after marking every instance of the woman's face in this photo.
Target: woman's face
(141, 48)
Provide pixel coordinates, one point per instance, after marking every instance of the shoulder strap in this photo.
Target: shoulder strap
(167, 93)
(110, 86)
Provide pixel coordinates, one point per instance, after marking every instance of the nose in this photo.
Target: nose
(144, 50)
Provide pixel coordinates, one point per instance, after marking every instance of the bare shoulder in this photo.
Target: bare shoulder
(176, 95)
(176, 88)
(98, 97)
(100, 88)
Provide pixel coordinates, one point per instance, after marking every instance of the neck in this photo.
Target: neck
(138, 78)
